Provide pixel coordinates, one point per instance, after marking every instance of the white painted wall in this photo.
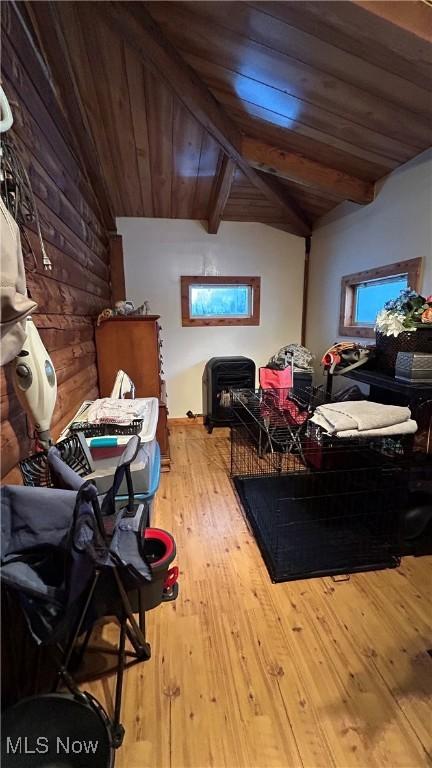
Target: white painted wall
(351, 238)
(158, 251)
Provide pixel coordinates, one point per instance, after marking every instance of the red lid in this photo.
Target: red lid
(164, 537)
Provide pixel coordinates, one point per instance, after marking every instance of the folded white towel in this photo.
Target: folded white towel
(361, 415)
(404, 428)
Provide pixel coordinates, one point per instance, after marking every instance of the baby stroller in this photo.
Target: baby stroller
(71, 558)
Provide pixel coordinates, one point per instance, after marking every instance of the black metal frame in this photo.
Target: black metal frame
(135, 632)
(317, 505)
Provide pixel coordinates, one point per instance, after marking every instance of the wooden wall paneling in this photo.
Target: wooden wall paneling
(33, 143)
(269, 125)
(74, 391)
(274, 191)
(96, 38)
(258, 24)
(78, 262)
(15, 443)
(37, 91)
(240, 192)
(138, 105)
(206, 171)
(250, 207)
(45, 189)
(52, 296)
(245, 205)
(304, 121)
(412, 18)
(72, 359)
(38, 145)
(70, 296)
(87, 68)
(115, 68)
(189, 33)
(277, 225)
(60, 331)
(347, 26)
(58, 233)
(137, 27)
(75, 237)
(117, 277)
(10, 407)
(114, 85)
(64, 269)
(221, 191)
(187, 141)
(321, 198)
(160, 122)
(51, 34)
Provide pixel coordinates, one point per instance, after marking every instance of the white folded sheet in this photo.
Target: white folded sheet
(360, 416)
(108, 410)
(404, 428)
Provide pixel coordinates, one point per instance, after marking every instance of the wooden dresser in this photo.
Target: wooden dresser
(134, 344)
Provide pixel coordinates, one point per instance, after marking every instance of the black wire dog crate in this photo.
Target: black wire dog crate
(317, 506)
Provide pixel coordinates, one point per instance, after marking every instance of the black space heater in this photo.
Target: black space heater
(220, 375)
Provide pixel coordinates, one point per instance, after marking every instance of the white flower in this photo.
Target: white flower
(390, 323)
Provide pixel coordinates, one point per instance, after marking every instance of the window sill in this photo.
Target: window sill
(204, 321)
(362, 331)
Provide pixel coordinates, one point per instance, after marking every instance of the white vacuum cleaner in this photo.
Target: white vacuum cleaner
(35, 383)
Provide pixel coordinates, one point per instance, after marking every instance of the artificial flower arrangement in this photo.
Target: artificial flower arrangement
(406, 313)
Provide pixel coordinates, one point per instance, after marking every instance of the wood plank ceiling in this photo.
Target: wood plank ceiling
(320, 98)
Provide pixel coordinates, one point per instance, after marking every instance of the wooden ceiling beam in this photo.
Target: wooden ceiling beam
(308, 173)
(141, 32)
(56, 53)
(220, 193)
(414, 16)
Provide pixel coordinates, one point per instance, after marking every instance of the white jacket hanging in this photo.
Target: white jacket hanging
(15, 305)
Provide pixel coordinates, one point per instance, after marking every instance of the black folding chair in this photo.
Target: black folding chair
(73, 558)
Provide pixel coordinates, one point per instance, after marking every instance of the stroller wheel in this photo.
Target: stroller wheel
(170, 594)
(143, 651)
(117, 735)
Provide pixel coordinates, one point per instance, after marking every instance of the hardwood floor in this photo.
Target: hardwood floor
(249, 673)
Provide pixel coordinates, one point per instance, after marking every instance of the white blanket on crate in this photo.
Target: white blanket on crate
(362, 418)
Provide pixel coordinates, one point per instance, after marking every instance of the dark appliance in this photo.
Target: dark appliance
(222, 374)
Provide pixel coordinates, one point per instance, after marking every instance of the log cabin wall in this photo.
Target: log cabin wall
(76, 239)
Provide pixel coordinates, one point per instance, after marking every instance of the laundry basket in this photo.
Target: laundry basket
(36, 471)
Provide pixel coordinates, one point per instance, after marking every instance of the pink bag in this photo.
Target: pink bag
(270, 378)
(277, 386)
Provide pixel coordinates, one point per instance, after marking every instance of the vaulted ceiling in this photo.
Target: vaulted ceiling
(268, 111)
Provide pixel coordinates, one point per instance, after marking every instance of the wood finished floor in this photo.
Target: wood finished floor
(248, 673)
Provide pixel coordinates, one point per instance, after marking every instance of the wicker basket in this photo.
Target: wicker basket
(387, 347)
